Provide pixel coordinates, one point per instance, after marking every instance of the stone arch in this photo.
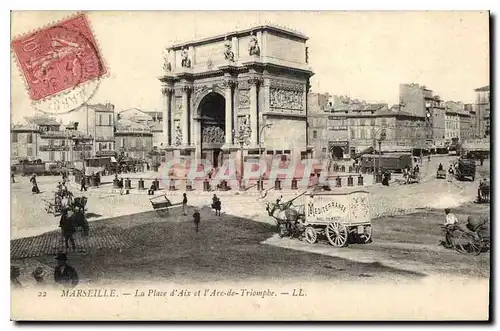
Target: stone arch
(201, 92)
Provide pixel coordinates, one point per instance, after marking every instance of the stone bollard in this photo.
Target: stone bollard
(277, 184)
(294, 184)
(171, 185)
(350, 181)
(140, 184)
(360, 180)
(127, 184)
(342, 169)
(206, 185)
(260, 185)
(338, 182)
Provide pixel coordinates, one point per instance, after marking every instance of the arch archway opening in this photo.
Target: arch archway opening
(337, 152)
(211, 112)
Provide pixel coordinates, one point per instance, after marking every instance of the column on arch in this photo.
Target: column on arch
(254, 120)
(167, 93)
(186, 91)
(229, 84)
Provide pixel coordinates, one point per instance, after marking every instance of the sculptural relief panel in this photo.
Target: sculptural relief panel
(286, 99)
(244, 99)
(212, 134)
(177, 133)
(178, 107)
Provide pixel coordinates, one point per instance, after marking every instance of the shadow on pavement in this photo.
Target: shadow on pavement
(226, 248)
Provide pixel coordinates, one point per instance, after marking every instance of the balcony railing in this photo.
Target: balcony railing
(105, 153)
(54, 148)
(82, 148)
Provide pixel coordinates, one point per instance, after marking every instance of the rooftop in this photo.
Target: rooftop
(108, 107)
(42, 120)
(483, 89)
(238, 33)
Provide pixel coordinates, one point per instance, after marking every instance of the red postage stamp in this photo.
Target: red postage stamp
(59, 57)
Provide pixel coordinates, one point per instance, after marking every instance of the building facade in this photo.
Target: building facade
(482, 109)
(133, 140)
(103, 127)
(237, 92)
(24, 142)
(400, 131)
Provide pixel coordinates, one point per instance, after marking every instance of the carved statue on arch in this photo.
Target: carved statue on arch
(228, 53)
(185, 62)
(167, 66)
(178, 135)
(253, 45)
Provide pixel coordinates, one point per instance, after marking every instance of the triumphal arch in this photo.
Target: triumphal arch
(238, 91)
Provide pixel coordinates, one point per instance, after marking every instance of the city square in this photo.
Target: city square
(245, 170)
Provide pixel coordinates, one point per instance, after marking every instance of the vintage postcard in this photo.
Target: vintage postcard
(308, 166)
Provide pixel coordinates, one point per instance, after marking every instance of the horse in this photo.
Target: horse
(286, 218)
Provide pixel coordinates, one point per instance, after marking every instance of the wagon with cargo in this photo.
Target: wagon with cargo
(341, 217)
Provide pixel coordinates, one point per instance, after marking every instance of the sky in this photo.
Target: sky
(364, 55)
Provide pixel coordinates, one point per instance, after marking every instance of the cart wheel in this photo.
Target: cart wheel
(310, 235)
(337, 234)
(162, 212)
(465, 244)
(366, 236)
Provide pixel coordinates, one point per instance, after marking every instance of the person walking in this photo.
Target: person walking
(450, 173)
(65, 274)
(197, 219)
(218, 207)
(12, 180)
(68, 228)
(184, 204)
(83, 186)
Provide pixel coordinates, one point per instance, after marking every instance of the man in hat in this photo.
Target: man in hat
(65, 274)
(67, 226)
(38, 275)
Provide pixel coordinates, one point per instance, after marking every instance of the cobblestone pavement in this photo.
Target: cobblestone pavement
(101, 237)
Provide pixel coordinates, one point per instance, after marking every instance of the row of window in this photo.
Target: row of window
(15, 137)
(101, 120)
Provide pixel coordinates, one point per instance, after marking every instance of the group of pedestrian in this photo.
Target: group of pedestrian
(216, 206)
(64, 274)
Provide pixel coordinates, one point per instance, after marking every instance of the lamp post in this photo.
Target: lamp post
(260, 156)
(243, 137)
(381, 136)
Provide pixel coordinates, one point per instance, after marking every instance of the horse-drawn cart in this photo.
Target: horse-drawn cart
(342, 217)
(161, 206)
